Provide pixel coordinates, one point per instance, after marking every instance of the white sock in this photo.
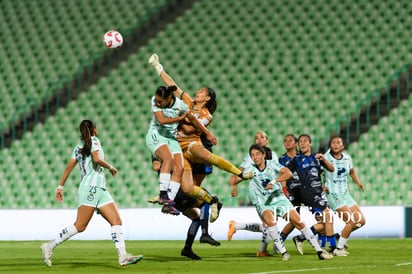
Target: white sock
(64, 235)
(265, 240)
(311, 238)
(253, 227)
(164, 181)
(173, 189)
(342, 242)
(275, 235)
(118, 239)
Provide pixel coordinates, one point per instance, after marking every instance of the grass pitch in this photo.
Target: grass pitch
(366, 256)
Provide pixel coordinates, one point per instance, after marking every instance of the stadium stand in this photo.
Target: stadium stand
(383, 157)
(288, 66)
(53, 37)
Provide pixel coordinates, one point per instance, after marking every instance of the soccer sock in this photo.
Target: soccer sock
(311, 238)
(342, 242)
(201, 194)
(164, 181)
(313, 230)
(274, 234)
(331, 242)
(173, 189)
(322, 240)
(265, 240)
(118, 239)
(283, 236)
(64, 235)
(254, 227)
(223, 164)
(204, 218)
(191, 233)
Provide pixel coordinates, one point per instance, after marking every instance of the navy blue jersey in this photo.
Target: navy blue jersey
(308, 168)
(293, 182)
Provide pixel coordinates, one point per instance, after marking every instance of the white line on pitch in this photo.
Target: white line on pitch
(402, 264)
(310, 269)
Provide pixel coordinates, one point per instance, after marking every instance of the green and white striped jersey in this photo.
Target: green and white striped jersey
(168, 130)
(92, 174)
(337, 181)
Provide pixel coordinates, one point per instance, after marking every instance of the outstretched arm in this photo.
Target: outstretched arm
(284, 175)
(166, 78)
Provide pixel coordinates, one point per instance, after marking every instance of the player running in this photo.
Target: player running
(93, 195)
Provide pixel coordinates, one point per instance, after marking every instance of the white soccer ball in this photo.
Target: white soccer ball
(112, 39)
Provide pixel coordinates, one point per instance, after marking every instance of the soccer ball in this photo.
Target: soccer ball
(112, 39)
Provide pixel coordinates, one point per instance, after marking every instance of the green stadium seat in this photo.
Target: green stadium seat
(269, 64)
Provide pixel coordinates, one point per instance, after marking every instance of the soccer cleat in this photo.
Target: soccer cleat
(154, 200)
(168, 209)
(324, 255)
(205, 238)
(190, 254)
(263, 254)
(247, 175)
(129, 259)
(340, 252)
(232, 230)
(165, 200)
(285, 256)
(47, 254)
(215, 211)
(298, 244)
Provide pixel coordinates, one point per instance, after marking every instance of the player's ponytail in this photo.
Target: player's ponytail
(211, 105)
(268, 153)
(86, 131)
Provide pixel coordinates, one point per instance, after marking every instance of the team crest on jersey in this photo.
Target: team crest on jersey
(322, 202)
(341, 171)
(314, 172)
(90, 197)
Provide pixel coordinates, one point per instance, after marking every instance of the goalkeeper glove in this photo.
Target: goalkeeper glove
(154, 61)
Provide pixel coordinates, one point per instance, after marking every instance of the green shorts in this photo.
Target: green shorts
(280, 205)
(94, 196)
(337, 200)
(154, 140)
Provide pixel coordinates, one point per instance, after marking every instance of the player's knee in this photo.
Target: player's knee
(80, 227)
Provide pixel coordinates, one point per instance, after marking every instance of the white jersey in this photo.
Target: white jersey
(247, 161)
(262, 177)
(337, 181)
(167, 130)
(92, 174)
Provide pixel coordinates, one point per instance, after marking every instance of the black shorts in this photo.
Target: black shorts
(202, 169)
(184, 201)
(295, 197)
(314, 199)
